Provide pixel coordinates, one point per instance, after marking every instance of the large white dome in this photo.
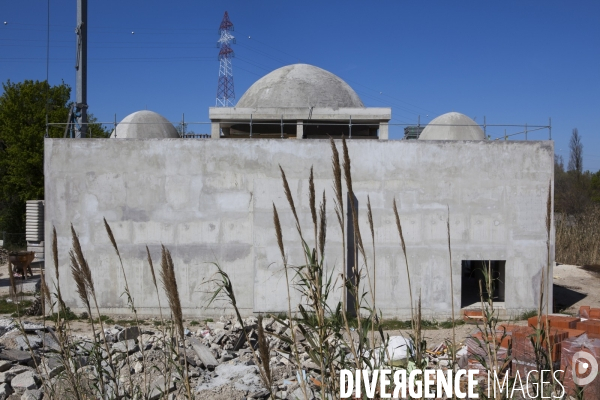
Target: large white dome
(300, 85)
(452, 126)
(144, 125)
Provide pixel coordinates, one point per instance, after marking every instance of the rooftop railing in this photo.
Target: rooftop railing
(351, 129)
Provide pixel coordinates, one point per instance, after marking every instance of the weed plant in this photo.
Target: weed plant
(578, 237)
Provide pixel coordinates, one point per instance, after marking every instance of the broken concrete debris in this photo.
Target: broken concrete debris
(221, 364)
(218, 356)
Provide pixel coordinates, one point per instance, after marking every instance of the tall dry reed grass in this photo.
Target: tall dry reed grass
(578, 237)
(102, 379)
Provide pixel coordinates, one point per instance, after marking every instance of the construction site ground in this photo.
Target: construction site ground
(573, 286)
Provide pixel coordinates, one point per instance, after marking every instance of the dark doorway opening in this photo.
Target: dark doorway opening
(473, 272)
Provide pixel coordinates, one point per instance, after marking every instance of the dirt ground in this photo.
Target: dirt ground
(573, 286)
(5, 279)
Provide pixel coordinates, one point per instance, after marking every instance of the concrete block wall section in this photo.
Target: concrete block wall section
(212, 200)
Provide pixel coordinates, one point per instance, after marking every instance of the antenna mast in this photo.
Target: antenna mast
(77, 124)
(225, 91)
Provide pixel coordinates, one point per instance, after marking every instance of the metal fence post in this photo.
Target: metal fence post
(350, 128)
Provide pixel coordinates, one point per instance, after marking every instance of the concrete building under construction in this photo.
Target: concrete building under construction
(212, 201)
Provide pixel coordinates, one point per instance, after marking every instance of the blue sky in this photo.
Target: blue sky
(514, 62)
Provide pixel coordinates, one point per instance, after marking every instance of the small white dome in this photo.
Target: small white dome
(300, 85)
(452, 126)
(144, 125)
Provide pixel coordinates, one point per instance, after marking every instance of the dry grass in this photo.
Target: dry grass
(167, 274)
(578, 237)
(322, 225)
(104, 380)
(403, 245)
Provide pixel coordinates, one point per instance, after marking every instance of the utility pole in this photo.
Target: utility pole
(80, 113)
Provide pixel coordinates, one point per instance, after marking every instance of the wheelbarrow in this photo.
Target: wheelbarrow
(22, 262)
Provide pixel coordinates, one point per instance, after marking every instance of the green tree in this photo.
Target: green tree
(95, 129)
(22, 129)
(575, 152)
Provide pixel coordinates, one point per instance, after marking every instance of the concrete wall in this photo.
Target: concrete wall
(211, 200)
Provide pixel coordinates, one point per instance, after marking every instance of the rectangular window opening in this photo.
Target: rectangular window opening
(472, 272)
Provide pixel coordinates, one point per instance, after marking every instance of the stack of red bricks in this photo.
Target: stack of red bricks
(561, 327)
(581, 365)
(589, 312)
(591, 321)
(554, 321)
(563, 330)
(473, 316)
(523, 351)
(476, 346)
(591, 327)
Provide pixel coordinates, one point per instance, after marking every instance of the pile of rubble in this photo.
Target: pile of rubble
(220, 362)
(17, 367)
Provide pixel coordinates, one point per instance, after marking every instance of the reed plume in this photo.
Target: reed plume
(61, 304)
(546, 271)
(127, 291)
(312, 203)
(80, 283)
(279, 237)
(82, 290)
(549, 210)
(83, 276)
(152, 268)
(84, 268)
(337, 186)
(55, 252)
(403, 244)
(263, 350)
(348, 175)
(548, 266)
(278, 233)
(162, 320)
(372, 285)
(339, 211)
(372, 229)
(46, 299)
(167, 274)
(155, 284)
(322, 226)
(64, 340)
(129, 298)
(290, 199)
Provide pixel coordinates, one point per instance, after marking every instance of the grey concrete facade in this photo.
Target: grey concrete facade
(211, 200)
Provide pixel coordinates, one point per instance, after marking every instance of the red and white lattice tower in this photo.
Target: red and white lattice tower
(225, 92)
